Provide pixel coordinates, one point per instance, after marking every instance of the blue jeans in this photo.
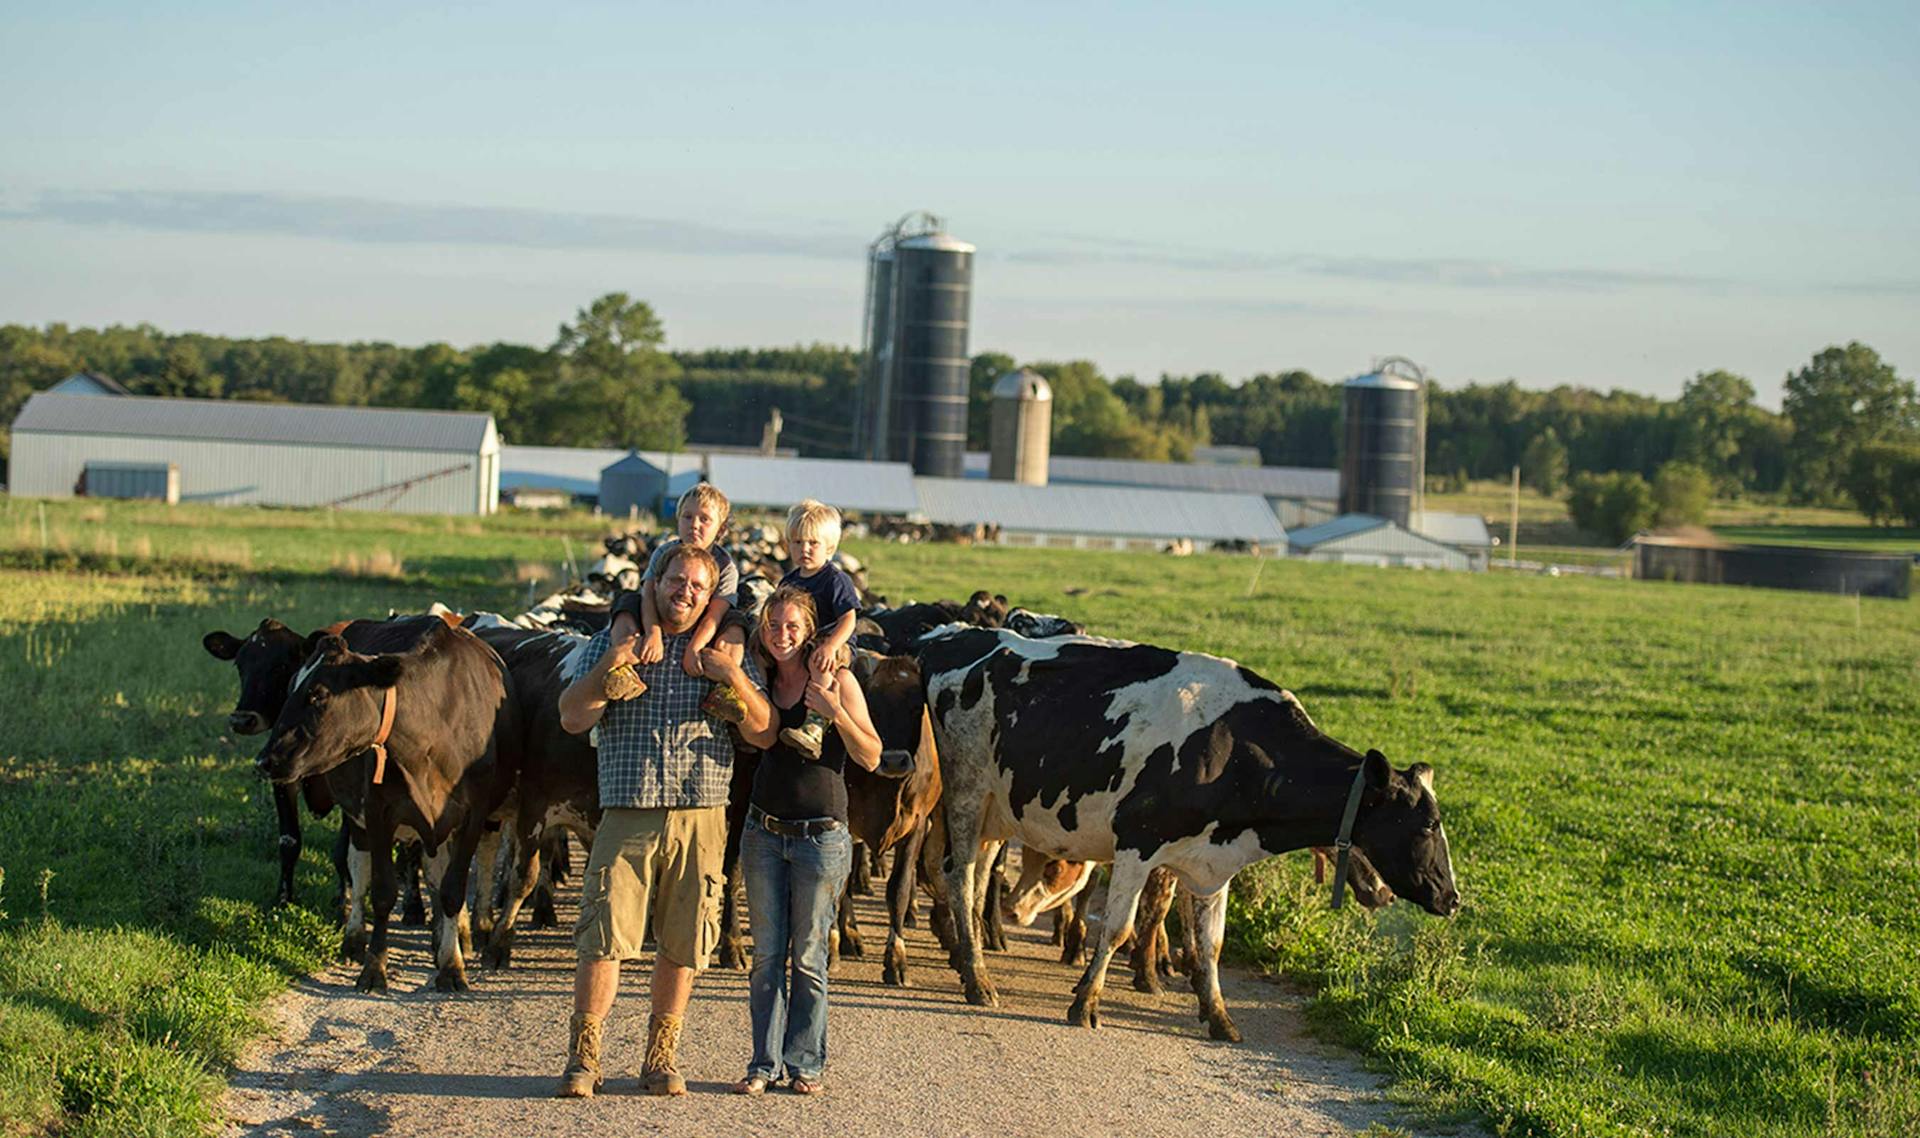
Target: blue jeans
(793, 894)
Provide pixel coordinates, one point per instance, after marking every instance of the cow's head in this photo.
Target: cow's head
(1400, 832)
(1045, 884)
(266, 660)
(897, 702)
(984, 609)
(332, 713)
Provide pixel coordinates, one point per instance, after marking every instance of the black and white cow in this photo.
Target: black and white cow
(453, 755)
(1104, 750)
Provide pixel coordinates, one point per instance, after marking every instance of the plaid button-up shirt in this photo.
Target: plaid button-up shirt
(661, 749)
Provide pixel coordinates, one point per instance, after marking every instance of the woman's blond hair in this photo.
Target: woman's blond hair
(784, 595)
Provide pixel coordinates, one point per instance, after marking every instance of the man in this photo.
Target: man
(664, 771)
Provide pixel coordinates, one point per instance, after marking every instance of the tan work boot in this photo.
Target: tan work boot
(809, 737)
(582, 1076)
(725, 704)
(623, 683)
(659, 1074)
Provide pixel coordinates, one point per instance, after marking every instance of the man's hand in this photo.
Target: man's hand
(651, 650)
(716, 665)
(625, 651)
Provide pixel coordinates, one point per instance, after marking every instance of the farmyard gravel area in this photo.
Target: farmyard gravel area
(904, 1061)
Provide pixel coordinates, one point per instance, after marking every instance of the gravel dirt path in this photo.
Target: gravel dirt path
(904, 1061)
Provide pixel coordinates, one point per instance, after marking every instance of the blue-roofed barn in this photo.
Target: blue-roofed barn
(1362, 539)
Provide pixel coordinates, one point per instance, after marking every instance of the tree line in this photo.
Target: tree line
(1848, 432)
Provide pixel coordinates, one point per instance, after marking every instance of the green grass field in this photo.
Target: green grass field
(1684, 819)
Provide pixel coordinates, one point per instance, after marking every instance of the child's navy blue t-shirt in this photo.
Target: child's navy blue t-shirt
(832, 590)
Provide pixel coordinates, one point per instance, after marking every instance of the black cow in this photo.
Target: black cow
(1103, 750)
(887, 808)
(452, 757)
(267, 661)
(559, 779)
(900, 627)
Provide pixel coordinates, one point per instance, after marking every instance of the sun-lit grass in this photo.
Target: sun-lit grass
(1683, 818)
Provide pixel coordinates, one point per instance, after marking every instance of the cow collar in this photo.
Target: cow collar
(1344, 843)
(390, 701)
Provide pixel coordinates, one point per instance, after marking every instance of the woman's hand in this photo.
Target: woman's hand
(824, 697)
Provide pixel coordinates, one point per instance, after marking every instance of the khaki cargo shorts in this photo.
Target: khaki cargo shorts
(672, 857)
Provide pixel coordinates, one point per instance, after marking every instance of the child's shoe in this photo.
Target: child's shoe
(810, 736)
(623, 683)
(725, 704)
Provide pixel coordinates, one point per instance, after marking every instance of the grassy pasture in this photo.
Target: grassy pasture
(1683, 817)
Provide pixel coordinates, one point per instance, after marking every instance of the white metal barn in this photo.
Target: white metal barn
(230, 452)
(1362, 539)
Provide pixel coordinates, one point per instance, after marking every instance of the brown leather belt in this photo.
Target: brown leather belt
(811, 827)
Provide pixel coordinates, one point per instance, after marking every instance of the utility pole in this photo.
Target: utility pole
(1513, 523)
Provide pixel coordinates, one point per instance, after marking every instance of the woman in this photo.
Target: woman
(796, 850)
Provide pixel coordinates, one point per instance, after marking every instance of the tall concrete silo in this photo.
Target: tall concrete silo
(1021, 433)
(1382, 457)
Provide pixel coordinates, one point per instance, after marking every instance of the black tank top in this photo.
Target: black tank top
(792, 787)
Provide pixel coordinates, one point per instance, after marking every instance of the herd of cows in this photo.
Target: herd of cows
(441, 733)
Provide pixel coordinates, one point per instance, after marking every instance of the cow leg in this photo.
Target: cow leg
(862, 876)
(556, 859)
(1210, 917)
(848, 922)
(448, 869)
(1149, 931)
(486, 856)
(286, 810)
(1189, 945)
(1123, 899)
(343, 868)
(522, 872)
(414, 912)
(993, 927)
(900, 887)
(1073, 942)
(353, 936)
(384, 891)
(964, 887)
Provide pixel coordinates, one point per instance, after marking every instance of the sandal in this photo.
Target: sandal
(751, 1085)
(801, 1085)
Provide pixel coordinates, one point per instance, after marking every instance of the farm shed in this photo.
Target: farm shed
(1297, 495)
(1775, 567)
(1467, 533)
(1362, 539)
(773, 483)
(230, 452)
(1099, 517)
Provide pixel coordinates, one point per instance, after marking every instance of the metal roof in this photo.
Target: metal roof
(88, 383)
(945, 242)
(1464, 530)
(1381, 379)
(233, 420)
(1346, 525)
(1364, 533)
(1267, 481)
(573, 469)
(1109, 511)
(1024, 384)
(848, 484)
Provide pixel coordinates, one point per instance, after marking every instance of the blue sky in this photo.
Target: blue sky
(1609, 195)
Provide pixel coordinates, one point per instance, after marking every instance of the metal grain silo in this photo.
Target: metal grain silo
(1021, 434)
(1383, 442)
(933, 291)
(874, 399)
